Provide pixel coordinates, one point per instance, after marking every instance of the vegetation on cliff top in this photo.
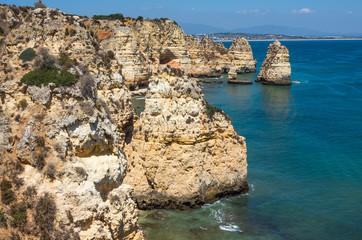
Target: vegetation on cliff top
(39, 4)
(46, 72)
(116, 16)
(211, 110)
(27, 55)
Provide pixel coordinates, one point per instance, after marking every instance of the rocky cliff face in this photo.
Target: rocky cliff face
(62, 147)
(276, 69)
(184, 152)
(70, 149)
(161, 42)
(210, 59)
(241, 56)
(77, 149)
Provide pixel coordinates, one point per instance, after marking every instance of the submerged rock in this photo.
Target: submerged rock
(276, 68)
(184, 152)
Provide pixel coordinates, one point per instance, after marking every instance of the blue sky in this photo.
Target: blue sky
(324, 15)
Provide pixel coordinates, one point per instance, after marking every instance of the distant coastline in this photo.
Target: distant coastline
(300, 39)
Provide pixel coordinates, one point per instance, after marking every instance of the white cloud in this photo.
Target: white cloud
(241, 12)
(349, 12)
(253, 11)
(144, 8)
(161, 7)
(192, 9)
(303, 11)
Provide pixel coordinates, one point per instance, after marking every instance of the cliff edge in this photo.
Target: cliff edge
(184, 152)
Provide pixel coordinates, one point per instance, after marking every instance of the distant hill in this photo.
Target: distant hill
(191, 28)
(275, 29)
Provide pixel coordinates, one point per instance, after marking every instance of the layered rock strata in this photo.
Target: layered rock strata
(65, 144)
(70, 149)
(276, 69)
(241, 56)
(210, 59)
(161, 42)
(75, 143)
(134, 48)
(184, 152)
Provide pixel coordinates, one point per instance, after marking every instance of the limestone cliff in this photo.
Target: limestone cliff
(61, 147)
(276, 69)
(69, 148)
(161, 41)
(184, 152)
(210, 59)
(241, 56)
(74, 145)
(134, 48)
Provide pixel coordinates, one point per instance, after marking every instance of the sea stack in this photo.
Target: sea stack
(184, 152)
(241, 56)
(232, 75)
(276, 69)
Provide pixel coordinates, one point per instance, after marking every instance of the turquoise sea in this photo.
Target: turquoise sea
(304, 153)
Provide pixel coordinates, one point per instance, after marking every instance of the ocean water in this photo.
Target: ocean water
(304, 153)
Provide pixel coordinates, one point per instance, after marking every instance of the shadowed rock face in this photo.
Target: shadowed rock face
(276, 69)
(183, 153)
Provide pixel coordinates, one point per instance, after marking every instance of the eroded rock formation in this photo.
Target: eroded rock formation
(232, 76)
(134, 48)
(276, 69)
(241, 56)
(184, 152)
(210, 59)
(70, 146)
(61, 147)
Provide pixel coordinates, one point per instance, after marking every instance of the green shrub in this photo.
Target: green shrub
(3, 222)
(1, 31)
(40, 161)
(60, 77)
(157, 20)
(7, 195)
(45, 211)
(65, 61)
(45, 60)
(116, 16)
(18, 214)
(40, 142)
(39, 4)
(27, 55)
(12, 26)
(1, 42)
(51, 171)
(211, 110)
(22, 104)
(140, 18)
